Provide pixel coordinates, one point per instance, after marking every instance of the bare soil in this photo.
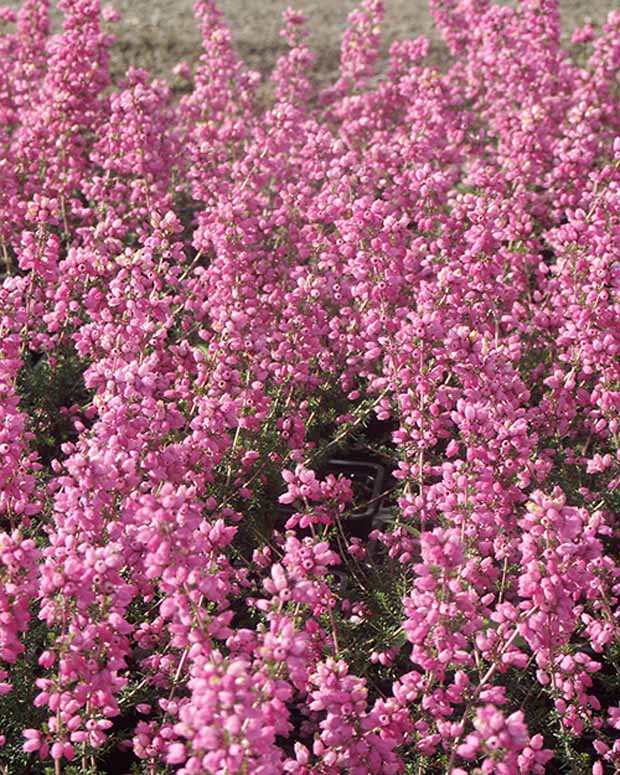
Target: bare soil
(157, 34)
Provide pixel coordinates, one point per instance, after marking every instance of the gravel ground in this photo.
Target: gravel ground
(156, 34)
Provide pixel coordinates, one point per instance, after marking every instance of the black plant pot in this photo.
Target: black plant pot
(367, 481)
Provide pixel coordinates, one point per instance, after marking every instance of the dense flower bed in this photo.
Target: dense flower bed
(224, 322)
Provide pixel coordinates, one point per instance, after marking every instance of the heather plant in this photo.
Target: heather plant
(210, 304)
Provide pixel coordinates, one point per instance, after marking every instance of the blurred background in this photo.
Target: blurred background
(157, 34)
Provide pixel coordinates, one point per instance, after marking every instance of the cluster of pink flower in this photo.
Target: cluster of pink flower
(229, 292)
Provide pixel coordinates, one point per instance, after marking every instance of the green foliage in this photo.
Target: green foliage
(47, 387)
(16, 708)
